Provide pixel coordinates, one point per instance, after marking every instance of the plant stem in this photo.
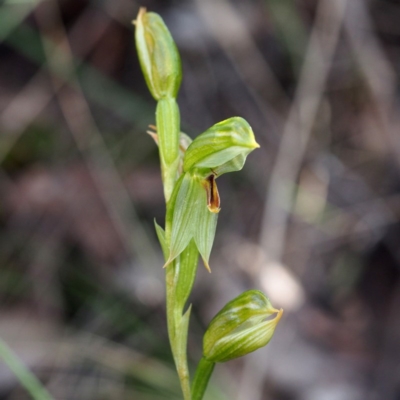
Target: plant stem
(25, 377)
(177, 331)
(202, 376)
(168, 122)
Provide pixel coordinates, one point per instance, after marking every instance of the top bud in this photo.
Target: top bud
(158, 55)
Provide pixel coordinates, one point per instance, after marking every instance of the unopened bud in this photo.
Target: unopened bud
(158, 55)
(241, 327)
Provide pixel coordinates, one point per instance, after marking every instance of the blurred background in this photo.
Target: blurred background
(313, 219)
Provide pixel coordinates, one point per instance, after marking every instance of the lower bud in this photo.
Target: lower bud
(244, 325)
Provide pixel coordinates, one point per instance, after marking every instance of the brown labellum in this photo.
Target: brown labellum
(213, 200)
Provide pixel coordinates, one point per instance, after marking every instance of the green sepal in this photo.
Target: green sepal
(158, 55)
(240, 327)
(233, 165)
(190, 218)
(220, 144)
(185, 270)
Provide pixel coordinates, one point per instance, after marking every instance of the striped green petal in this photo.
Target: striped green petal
(190, 218)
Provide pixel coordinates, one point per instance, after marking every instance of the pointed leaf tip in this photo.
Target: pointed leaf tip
(207, 265)
(168, 262)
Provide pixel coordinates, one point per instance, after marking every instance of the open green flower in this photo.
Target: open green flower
(194, 205)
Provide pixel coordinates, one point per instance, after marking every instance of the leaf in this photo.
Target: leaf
(181, 338)
(161, 238)
(185, 270)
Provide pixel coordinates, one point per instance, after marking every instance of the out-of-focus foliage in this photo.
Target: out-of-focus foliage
(312, 221)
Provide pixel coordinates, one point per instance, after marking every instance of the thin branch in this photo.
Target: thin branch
(36, 95)
(229, 29)
(296, 134)
(90, 142)
(298, 127)
(377, 71)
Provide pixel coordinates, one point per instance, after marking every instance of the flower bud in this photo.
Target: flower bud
(158, 55)
(228, 142)
(240, 327)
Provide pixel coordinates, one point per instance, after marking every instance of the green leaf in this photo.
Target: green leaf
(180, 352)
(158, 55)
(185, 270)
(182, 332)
(220, 144)
(161, 238)
(240, 327)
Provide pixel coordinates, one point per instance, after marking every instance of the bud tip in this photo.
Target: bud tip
(142, 11)
(279, 315)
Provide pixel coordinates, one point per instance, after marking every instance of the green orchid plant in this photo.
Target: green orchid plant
(189, 172)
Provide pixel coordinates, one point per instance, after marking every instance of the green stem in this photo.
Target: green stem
(177, 322)
(201, 378)
(170, 299)
(168, 130)
(177, 331)
(25, 377)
